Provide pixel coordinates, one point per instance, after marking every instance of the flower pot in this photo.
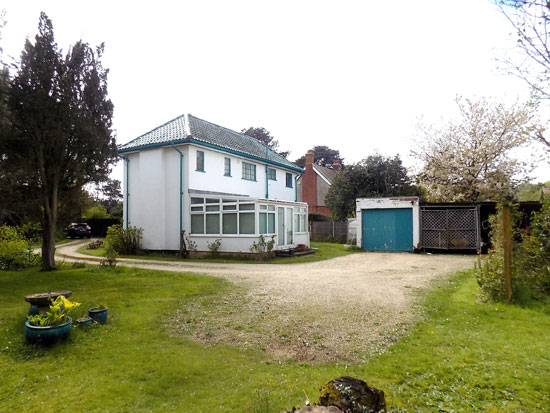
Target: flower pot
(84, 321)
(47, 335)
(98, 315)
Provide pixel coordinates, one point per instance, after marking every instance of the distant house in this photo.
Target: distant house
(314, 184)
(213, 183)
(545, 191)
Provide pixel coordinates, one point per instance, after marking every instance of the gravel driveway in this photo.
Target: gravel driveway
(342, 309)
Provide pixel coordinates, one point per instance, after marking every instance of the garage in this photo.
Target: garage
(387, 229)
(388, 224)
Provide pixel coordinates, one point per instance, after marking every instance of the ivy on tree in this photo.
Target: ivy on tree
(60, 137)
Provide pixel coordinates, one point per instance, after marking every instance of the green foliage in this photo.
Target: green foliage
(530, 192)
(110, 253)
(60, 133)
(263, 135)
(124, 240)
(31, 231)
(324, 156)
(214, 247)
(96, 212)
(375, 176)
(58, 314)
(530, 259)
(15, 252)
(263, 248)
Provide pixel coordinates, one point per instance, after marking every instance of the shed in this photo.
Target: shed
(388, 224)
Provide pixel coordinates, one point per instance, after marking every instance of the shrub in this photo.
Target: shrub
(96, 212)
(214, 247)
(530, 259)
(262, 248)
(15, 252)
(124, 240)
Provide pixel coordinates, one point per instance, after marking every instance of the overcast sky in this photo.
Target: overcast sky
(352, 75)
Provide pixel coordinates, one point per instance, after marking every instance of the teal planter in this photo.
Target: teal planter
(47, 335)
(84, 321)
(98, 315)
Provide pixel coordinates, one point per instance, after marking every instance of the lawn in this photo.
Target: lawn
(462, 356)
(323, 251)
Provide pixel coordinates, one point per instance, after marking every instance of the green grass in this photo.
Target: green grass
(463, 356)
(324, 251)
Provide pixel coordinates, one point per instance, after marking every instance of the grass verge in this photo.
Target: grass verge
(324, 251)
(463, 356)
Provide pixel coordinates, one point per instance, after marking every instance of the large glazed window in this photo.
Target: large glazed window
(219, 216)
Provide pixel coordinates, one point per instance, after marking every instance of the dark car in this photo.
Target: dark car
(79, 230)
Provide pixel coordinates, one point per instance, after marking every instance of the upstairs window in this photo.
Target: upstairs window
(271, 174)
(200, 161)
(249, 171)
(288, 180)
(227, 167)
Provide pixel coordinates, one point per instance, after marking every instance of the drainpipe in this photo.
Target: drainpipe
(125, 158)
(266, 177)
(181, 187)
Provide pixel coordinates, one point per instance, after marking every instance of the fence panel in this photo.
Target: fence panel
(328, 231)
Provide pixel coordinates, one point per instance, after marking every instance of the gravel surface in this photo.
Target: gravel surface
(342, 309)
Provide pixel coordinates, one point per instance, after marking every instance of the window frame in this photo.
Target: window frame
(227, 166)
(289, 180)
(199, 155)
(247, 164)
(269, 170)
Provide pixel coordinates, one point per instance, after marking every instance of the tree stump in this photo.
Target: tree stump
(352, 395)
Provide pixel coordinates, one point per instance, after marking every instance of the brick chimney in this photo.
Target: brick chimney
(310, 158)
(336, 165)
(309, 183)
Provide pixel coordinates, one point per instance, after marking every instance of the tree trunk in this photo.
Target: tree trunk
(48, 231)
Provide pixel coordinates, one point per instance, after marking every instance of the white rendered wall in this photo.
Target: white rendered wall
(389, 203)
(154, 186)
(213, 179)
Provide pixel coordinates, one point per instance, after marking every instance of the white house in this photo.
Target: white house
(213, 183)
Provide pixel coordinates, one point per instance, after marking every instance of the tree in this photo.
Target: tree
(324, 156)
(375, 176)
(470, 160)
(265, 137)
(531, 22)
(61, 137)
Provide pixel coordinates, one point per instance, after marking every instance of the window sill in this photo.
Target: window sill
(200, 170)
(228, 176)
(250, 180)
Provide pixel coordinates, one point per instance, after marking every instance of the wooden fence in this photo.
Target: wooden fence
(328, 231)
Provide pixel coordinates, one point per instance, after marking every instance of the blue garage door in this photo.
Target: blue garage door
(387, 229)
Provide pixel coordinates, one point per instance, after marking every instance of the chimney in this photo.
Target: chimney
(336, 165)
(310, 157)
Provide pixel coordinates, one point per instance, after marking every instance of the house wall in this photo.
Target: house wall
(213, 178)
(389, 203)
(154, 193)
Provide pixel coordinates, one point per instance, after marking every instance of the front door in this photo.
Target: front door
(285, 229)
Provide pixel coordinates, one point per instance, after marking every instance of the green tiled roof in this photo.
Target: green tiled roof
(200, 131)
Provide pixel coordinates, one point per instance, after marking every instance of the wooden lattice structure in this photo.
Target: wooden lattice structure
(450, 227)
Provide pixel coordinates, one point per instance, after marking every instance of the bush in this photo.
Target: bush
(15, 252)
(214, 247)
(124, 240)
(262, 248)
(530, 259)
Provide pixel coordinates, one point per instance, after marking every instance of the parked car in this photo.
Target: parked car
(79, 230)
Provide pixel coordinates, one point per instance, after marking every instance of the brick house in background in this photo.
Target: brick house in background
(314, 184)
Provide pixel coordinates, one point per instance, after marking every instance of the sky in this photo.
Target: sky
(353, 75)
